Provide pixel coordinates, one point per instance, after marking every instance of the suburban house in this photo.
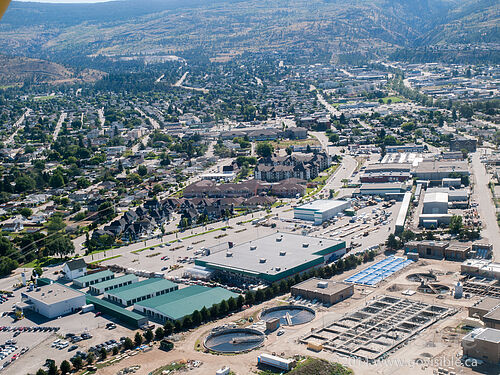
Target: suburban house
(74, 268)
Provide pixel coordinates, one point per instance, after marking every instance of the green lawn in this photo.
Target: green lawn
(43, 262)
(394, 99)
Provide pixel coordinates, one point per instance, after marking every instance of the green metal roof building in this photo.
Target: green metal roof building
(94, 278)
(176, 305)
(129, 294)
(117, 282)
(274, 257)
(106, 307)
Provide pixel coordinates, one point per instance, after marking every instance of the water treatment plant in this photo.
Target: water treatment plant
(234, 340)
(290, 315)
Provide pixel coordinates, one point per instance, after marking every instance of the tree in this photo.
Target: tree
(148, 335)
(60, 245)
(90, 358)
(128, 343)
(26, 212)
(52, 368)
(41, 372)
(196, 318)
(83, 183)
(259, 296)
(159, 334)
(23, 184)
(168, 328)
(65, 367)
(265, 149)
(205, 315)
(115, 350)
(55, 224)
(232, 304)
(407, 235)
(77, 362)
(142, 170)
(137, 339)
(456, 224)
(392, 242)
(177, 326)
(187, 323)
(37, 271)
(7, 265)
(56, 180)
(240, 301)
(103, 354)
(289, 150)
(249, 298)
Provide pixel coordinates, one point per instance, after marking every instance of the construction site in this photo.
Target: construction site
(378, 328)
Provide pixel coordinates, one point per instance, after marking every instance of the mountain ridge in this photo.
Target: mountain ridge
(224, 26)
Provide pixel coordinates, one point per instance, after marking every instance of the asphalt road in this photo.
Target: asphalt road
(486, 208)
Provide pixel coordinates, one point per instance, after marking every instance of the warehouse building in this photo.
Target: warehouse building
(272, 258)
(435, 171)
(481, 267)
(403, 212)
(488, 310)
(52, 300)
(389, 190)
(409, 147)
(483, 344)
(435, 203)
(93, 278)
(114, 283)
(439, 250)
(462, 143)
(320, 210)
(129, 294)
(483, 307)
(183, 302)
(130, 318)
(328, 292)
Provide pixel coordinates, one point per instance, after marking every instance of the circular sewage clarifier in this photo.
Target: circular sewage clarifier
(234, 340)
(290, 315)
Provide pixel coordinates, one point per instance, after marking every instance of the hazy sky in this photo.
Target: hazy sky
(65, 1)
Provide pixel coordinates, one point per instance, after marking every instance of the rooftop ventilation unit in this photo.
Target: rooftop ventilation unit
(253, 247)
(262, 260)
(278, 239)
(305, 244)
(278, 269)
(322, 284)
(282, 253)
(229, 254)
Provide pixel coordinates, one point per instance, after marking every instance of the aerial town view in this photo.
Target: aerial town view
(249, 187)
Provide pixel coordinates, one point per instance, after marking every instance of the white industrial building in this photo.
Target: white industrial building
(435, 203)
(320, 210)
(52, 300)
(275, 361)
(74, 268)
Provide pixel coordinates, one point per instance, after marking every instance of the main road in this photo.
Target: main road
(17, 126)
(59, 125)
(334, 111)
(486, 207)
(145, 139)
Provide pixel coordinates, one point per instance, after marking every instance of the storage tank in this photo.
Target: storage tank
(459, 290)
